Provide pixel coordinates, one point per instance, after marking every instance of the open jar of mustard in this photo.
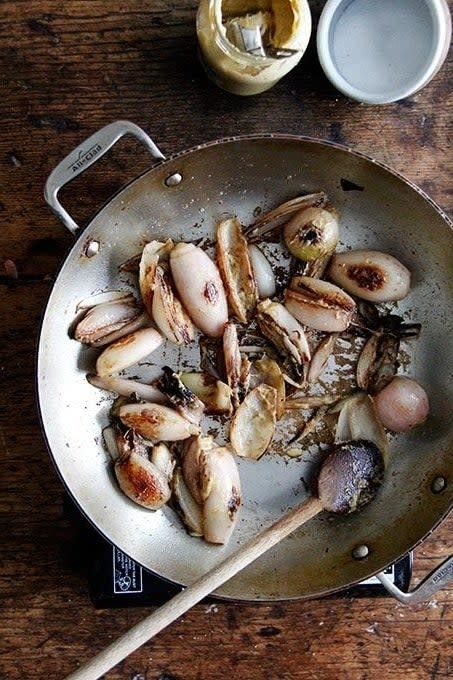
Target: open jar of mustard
(246, 46)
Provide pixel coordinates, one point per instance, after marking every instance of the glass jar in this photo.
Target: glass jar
(241, 72)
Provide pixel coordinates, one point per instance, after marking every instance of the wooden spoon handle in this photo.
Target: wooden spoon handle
(169, 612)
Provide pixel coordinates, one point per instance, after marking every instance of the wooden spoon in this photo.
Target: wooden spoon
(348, 479)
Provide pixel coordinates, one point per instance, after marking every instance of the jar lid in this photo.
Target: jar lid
(378, 52)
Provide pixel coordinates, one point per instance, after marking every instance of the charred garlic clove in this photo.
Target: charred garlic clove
(253, 424)
(236, 269)
(215, 394)
(370, 274)
(200, 288)
(156, 422)
(311, 233)
(283, 330)
(167, 311)
(127, 351)
(107, 321)
(263, 272)
(183, 399)
(319, 304)
(139, 478)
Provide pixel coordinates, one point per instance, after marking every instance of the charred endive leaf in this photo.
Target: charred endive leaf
(235, 268)
(283, 330)
(167, 311)
(269, 372)
(321, 356)
(319, 304)
(275, 218)
(253, 424)
(152, 253)
(215, 394)
(183, 399)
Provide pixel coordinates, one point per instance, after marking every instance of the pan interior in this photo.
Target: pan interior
(243, 177)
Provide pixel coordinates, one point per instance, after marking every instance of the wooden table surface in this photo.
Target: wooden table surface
(67, 69)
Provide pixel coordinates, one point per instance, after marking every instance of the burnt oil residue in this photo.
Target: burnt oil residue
(348, 185)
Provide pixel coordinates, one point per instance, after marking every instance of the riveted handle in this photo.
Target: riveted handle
(87, 153)
(430, 585)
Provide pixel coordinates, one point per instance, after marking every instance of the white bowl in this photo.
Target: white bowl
(380, 51)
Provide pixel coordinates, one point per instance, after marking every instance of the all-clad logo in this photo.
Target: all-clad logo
(84, 157)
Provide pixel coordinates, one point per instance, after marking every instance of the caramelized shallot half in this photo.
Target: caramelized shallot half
(319, 304)
(283, 330)
(140, 479)
(253, 424)
(221, 507)
(311, 233)
(167, 311)
(200, 288)
(370, 275)
(125, 387)
(156, 422)
(263, 272)
(212, 478)
(358, 419)
(402, 404)
(127, 351)
(186, 506)
(107, 321)
(236, 269)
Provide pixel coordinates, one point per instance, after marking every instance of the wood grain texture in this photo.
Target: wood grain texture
(69, 68)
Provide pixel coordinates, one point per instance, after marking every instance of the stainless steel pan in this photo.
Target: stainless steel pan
(183, 197)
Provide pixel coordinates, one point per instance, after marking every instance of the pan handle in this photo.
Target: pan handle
(423, 591)
(85, 155)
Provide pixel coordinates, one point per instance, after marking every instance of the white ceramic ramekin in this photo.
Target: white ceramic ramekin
(380, 51)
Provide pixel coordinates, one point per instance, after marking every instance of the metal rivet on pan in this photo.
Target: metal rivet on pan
(173, 180)
(91, 248)
(360, 552)
(438, 484)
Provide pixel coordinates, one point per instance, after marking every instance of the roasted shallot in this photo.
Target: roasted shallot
(370, 274)
(200, 288)
(319, 304)
(402, 404)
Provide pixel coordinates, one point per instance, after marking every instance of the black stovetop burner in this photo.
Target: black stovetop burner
(115, 580)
